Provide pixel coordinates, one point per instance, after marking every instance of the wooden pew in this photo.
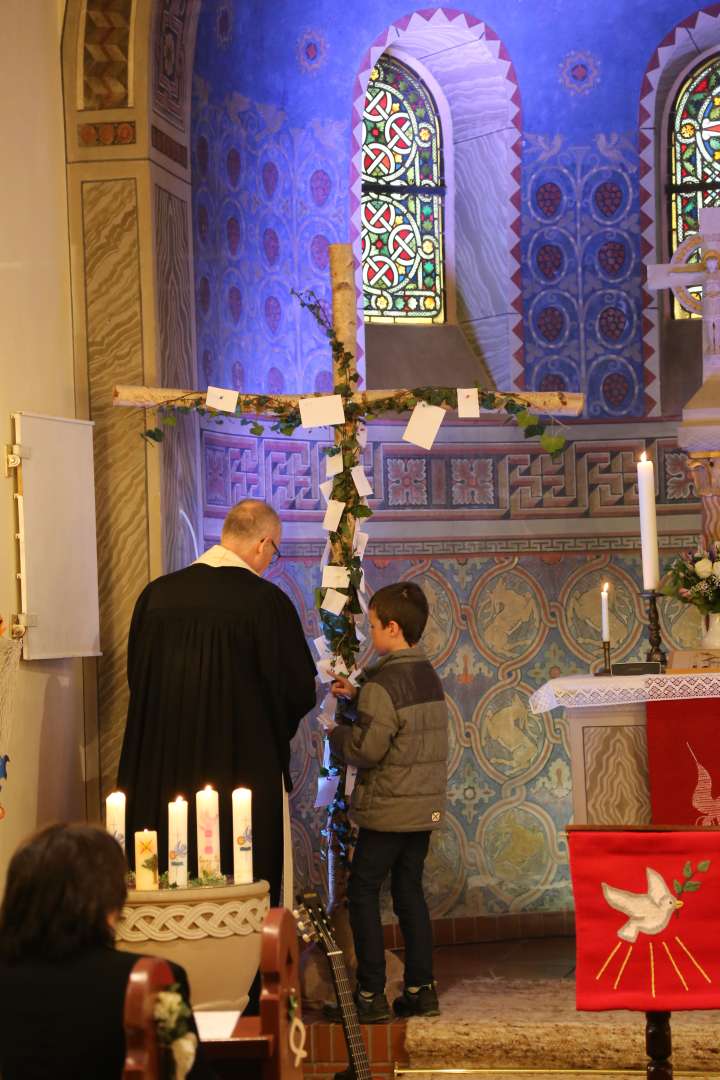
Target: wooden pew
(142, 1050)
(259, 1047)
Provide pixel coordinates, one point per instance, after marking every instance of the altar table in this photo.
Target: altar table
(607, 737)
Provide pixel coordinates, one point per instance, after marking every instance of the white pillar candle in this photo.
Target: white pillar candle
(208, 832)
(648, 523)
(178, 843)
(146, 860)
(242, 836)
(604, 612)
(115, 816)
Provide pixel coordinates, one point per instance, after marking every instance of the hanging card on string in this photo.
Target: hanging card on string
(326, 489)
(424, 425)
(362, 484)
(335, 577)
(322, 646)
(333, 464)
(468, 403)
(334, 601)
(332, 515)
(321, 411)
(220, 399)
(361, 542)
(326, 790)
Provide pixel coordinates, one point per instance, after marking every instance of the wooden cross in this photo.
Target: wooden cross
(344, 321)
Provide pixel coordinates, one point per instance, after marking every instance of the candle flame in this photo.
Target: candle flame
(606, 586)
(208, 787)
(643, 456)
(179, 799)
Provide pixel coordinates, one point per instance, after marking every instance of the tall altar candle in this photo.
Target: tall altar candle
(178, 843)
(648, 523)
(242, 836)
(208, 832)
(604, 612)
(115, 816)
(146, 860)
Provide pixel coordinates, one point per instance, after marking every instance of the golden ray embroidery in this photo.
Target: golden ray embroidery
(652, 969)
(602, 969)
(622, 968)
(692, 959)
(676, 968)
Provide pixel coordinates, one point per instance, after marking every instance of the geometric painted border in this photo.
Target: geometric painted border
(442, 16)
(688, 39)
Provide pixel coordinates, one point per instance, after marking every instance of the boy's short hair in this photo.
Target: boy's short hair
(404, 603)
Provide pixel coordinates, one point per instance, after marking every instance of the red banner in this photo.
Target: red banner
(684, 761)
(646, 904)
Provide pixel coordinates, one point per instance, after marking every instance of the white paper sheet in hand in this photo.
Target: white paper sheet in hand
(320, 411)
(362, 484)
(333, 464)
(326, 790)
(223, 400)
(424, 425)
(335, 577)
(332, 515)
(468, 403)
(330, 667)
(334, 602)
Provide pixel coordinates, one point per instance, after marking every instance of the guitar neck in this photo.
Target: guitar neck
(353, 1037)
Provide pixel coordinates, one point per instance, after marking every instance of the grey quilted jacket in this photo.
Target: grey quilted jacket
(399, 742)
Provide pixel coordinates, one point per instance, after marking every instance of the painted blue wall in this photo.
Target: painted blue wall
(274, 85)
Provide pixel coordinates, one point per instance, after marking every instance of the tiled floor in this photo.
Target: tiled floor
(532, 958)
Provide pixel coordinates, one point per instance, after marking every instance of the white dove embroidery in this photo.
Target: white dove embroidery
(648, 912)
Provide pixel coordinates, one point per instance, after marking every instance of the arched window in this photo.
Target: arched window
(694, 153)
(402, 199)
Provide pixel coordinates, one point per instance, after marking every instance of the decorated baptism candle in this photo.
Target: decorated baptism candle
(208, 832)
(115, 816)
(242, 836)
(146, 860)
(648, 523)
(178, 843)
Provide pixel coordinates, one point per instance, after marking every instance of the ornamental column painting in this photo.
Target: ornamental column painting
(126, 70)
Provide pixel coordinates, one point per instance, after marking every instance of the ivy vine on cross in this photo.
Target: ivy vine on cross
(359, 405)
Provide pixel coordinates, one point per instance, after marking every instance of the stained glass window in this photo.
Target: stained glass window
(694, 153)
(402, 198)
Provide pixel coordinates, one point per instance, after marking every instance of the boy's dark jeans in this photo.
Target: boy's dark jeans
(402, 855)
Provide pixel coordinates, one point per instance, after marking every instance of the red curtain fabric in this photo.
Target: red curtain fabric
(646, 917)
(684, 761)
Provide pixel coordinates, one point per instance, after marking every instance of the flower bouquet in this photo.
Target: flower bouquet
(694, 578)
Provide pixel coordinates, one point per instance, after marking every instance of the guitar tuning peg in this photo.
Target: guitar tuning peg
(301, 924)
(306, 938)
(295, 913)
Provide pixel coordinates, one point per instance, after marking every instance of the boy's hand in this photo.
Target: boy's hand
(342, 687)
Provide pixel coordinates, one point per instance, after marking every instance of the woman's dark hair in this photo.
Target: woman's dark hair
(61, 886)
(405, 604)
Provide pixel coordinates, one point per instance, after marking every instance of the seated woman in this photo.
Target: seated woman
(62, 983)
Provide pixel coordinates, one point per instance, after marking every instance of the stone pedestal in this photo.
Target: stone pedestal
(214, 933)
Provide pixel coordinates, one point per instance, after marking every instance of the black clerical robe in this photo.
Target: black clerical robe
(220, 676)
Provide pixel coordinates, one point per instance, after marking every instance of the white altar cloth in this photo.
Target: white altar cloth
(587, 691)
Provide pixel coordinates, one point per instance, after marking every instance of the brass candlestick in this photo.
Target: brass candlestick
(655, 653)
(607, 669)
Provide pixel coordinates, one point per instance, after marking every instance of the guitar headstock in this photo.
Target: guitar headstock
(313, 921)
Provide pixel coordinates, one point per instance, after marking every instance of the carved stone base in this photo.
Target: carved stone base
(214, 933)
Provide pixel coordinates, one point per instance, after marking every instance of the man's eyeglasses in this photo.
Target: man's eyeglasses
(276, 553)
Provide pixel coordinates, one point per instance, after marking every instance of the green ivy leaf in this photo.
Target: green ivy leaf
(553, 444)
(256, 429)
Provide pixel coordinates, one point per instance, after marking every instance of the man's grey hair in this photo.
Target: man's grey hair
(249, 520)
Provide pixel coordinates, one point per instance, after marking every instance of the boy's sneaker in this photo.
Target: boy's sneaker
(417, 1001)
(371, 1009)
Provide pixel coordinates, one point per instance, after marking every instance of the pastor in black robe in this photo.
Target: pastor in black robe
(220, 676)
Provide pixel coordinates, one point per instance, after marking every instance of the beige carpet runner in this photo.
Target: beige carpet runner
(513, 1024)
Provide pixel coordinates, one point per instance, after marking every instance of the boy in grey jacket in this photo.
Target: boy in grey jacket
(399, 744)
